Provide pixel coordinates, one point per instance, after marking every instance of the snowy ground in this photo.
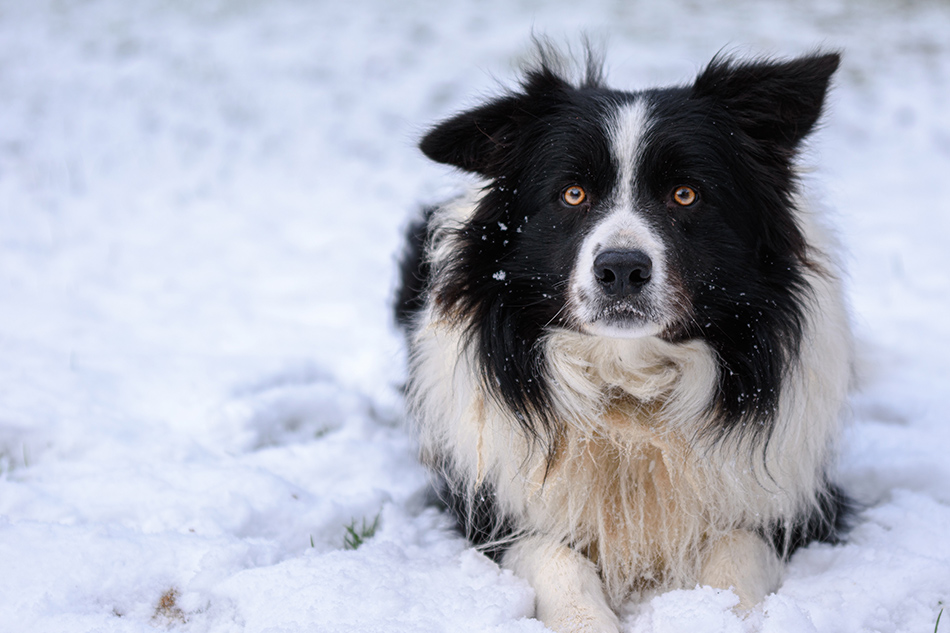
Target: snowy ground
(200, 206)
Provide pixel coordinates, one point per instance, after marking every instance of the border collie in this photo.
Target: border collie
(629, 349)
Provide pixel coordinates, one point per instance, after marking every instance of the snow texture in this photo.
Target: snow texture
(200, 209)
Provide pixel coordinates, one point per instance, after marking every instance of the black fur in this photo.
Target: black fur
(828, 522)
(512, 140)
(478, 517)
(413, 272)
(739, 254)
(734, 133)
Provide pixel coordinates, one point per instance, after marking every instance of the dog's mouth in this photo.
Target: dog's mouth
(622, 319)
(623, 311)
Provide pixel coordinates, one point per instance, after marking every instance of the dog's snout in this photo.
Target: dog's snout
(622, 272)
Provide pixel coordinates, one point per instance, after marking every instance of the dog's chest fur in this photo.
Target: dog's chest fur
(629, 483)
(629, 346)
(632, 497)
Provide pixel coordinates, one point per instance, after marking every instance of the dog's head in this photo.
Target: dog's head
(664, 213)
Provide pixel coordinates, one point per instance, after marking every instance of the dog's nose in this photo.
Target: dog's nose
(622, 273)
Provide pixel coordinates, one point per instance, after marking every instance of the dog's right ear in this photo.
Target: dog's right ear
(479, 140)
(476, 139)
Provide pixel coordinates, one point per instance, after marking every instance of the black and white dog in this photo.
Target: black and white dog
(629, 350)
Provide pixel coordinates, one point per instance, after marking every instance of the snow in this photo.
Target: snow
(201, 204)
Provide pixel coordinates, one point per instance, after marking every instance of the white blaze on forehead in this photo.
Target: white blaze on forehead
(623, 227)
(627, 129)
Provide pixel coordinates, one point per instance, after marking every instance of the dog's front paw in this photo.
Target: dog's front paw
(569, 593)
(579, 618)
(745, 563)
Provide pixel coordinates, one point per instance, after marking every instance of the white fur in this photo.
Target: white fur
(621, 228)
(637, 499)
(568, 590)
(627, 129)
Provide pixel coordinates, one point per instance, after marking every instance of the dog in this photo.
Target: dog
(629, 350)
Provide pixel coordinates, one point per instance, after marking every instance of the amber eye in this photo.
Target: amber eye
(684, 196)
(574, 195)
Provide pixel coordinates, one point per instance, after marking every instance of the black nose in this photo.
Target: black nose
(622, 273)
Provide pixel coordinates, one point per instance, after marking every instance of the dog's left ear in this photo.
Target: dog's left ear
(775, 102)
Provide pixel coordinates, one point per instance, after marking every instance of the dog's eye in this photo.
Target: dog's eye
(685, 196)
(574, 195)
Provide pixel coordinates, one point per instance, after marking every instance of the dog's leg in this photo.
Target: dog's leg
(569, 595)
(745, 563)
